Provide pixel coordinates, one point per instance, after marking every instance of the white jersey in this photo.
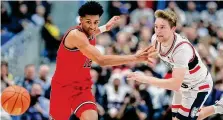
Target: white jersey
(182, 54)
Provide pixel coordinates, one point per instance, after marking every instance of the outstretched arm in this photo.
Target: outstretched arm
(78, 39)
(181, 58)
(173, 83)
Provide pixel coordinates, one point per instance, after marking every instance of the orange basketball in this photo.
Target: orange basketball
(15, 100)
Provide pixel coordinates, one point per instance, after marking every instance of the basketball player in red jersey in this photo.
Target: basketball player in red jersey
(71, 83)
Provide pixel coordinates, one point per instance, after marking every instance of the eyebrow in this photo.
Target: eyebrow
(90, 20)
(160, 25)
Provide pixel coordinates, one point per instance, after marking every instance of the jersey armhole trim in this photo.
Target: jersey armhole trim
(64, 38)
(172, 46)
(189, 45)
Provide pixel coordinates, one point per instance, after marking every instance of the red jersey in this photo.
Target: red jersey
(72, 67)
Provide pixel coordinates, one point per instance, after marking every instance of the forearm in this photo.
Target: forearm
(169, 84)
(113, 60)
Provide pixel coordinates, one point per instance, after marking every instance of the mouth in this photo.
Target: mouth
(159, 36)
(92, 30)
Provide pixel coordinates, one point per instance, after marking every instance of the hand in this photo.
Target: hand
(146, 54)
(112, 22)
(152, 53)
(138, 76)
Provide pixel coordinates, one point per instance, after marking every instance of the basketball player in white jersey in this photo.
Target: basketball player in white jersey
(191, 81)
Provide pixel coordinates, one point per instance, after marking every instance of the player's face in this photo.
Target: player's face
(90, 23)
(163, 30)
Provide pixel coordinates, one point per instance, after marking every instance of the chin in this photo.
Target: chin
(160, 40)
(90, 34)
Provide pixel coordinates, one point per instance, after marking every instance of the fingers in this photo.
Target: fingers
(149, 48)
(150, 60)
(116, 18)
(152, 49)
(153, 54)
(131, 76)
(145, 51)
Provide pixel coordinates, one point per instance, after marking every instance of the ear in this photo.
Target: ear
(173, 29)
(80, 18)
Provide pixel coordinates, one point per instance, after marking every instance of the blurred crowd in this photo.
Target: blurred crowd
(117, 98)
(19, 15)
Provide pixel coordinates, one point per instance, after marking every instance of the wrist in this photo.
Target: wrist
(134, 58)
(148, 80)
(103, 28)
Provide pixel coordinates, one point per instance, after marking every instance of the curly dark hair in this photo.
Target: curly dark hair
(90, 8)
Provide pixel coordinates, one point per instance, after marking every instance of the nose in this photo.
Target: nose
(92, 26)
(157, 31)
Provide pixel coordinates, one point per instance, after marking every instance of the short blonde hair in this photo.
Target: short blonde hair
(168, 15)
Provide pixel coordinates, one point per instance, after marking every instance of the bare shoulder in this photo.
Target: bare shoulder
(76, 38)
(76, 34)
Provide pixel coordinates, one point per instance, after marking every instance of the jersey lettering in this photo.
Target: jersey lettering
(87, 63)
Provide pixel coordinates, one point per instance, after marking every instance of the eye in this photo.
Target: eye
(88, 22)
(96, 22)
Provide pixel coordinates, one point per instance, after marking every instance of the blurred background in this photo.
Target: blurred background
(30, 36)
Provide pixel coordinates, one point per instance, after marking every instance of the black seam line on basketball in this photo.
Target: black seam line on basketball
(25, 96)
(12, 91)
(7, 91)
(15, 102)
(8, 99)
(19, 93)
(11, 96)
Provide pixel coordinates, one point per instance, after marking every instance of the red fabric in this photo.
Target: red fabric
(70, 65)
(168, 75)
(64, 100)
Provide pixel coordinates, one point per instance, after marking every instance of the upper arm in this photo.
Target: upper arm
(80, 40)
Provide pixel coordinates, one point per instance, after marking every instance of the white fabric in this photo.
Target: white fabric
(179, 56)
(102, 28)
(187, 98)
(182, 56)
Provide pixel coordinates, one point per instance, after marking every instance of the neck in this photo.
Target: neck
(169, 41)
